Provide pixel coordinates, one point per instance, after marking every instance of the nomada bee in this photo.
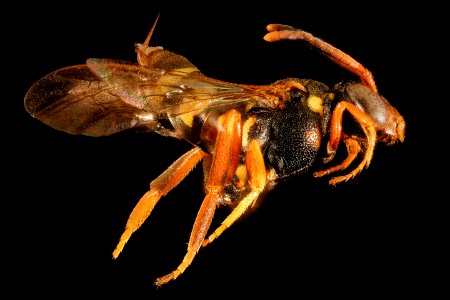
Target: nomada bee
(248, 137)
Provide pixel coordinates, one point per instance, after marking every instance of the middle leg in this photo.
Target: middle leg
(223, 167)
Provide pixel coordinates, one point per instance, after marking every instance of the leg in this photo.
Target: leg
(158, 188)
(278, 32)
(256, 170)
(198, 233)
(368, 126)
(223, 166)
(353, 148)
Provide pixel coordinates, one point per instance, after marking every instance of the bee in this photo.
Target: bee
(247, 137)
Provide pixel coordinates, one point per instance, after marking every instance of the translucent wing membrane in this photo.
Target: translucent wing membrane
(169, 91)
(76, 101)
(106, 96)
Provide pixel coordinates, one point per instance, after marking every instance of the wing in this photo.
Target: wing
(106, 96)
(75, 100)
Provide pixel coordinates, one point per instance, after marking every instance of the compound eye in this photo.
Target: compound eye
(368, 101)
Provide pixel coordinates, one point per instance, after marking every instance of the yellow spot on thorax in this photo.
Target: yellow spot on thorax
(315, 104)
(188, 119)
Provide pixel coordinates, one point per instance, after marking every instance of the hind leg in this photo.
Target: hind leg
(158, 188)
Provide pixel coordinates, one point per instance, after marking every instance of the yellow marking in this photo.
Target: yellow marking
(188, 119)
(315, 104)
(245, 129)
(331, 96)
(183, 71)
(241, 173)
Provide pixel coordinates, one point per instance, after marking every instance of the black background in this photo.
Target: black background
(71, 195)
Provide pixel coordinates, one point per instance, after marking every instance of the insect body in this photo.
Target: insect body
(248, 137)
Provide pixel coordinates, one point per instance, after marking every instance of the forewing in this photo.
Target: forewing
(106, 96)
(76, 101)
(167, 83)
